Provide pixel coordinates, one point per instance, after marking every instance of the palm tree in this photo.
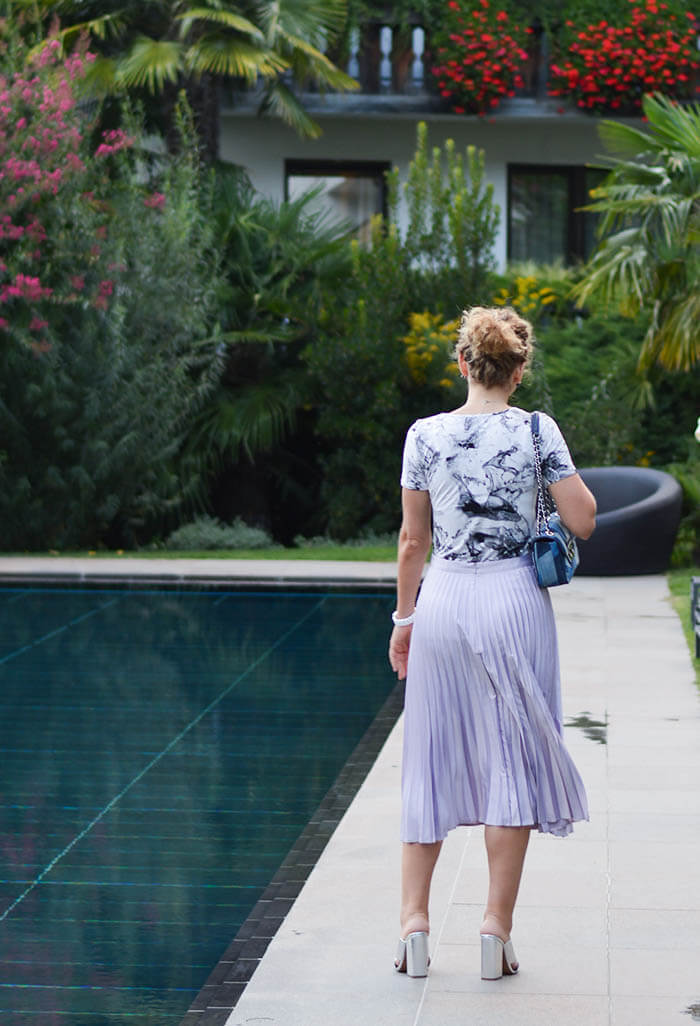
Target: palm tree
(161, 46)
(649, 256)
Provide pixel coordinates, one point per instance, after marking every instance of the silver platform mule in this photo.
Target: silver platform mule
(412, 955)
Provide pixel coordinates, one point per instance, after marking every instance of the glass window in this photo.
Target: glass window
(538, 216)
(351, 191)
(545, 220)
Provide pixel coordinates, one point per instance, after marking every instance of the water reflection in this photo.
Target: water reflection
(197, 736)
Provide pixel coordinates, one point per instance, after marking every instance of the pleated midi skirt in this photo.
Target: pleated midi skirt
(483, 726)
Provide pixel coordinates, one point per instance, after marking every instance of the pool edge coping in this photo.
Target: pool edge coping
(165, 572)
(234, 970)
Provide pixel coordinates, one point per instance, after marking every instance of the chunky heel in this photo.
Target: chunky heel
(412, 955)
(497, 957)
(417, 954)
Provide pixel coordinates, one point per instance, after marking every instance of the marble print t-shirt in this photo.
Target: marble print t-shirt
(480, 472)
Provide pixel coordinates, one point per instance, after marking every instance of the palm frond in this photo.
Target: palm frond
(317, 21)
(251, 421)
(100, 28)
(624, 139)
(675, 343)
(150, 63)
(308, 62)
(219, 54)
(224, 18)
(677, 128)
(280, 101)
(618, 272)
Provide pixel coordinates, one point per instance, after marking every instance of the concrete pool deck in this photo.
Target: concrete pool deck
(608, 923)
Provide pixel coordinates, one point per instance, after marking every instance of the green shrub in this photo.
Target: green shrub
(209, 533)
(686, 551)
(106, 349)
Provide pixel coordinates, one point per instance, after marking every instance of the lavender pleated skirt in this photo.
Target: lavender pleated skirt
(482, 728)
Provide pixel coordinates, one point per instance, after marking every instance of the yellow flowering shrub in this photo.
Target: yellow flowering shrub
(428, 350)
(526, 296)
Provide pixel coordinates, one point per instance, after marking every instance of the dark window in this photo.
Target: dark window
(350, 190)
(545, 223)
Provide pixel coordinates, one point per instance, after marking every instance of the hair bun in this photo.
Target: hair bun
(494, 341)
(491, 336)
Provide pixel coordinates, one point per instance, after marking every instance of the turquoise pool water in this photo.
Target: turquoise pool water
(159, 754)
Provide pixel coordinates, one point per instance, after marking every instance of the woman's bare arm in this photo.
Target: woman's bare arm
(414, 545)
(576, 505)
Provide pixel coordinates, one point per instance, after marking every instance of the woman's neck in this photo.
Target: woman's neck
(485, 400)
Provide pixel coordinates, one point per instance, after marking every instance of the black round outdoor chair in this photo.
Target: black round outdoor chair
(638, 514)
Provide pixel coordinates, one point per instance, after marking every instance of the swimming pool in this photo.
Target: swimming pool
(161, 752)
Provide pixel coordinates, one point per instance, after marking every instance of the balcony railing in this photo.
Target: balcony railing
(393, 61)
(392, 64)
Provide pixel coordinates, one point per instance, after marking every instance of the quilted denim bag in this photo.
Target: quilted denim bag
(554, 549)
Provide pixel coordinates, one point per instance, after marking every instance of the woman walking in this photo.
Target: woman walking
(483, 728)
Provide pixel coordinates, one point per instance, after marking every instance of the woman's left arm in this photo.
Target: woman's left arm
(414, 545)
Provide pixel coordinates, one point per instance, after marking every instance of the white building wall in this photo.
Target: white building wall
(262, 146)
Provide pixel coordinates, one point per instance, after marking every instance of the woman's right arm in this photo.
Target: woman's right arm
(576, 505)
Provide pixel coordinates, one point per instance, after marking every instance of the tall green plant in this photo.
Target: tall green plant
(365, 394)
(649, 258)
(452, 216)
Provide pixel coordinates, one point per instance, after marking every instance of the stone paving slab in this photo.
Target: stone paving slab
(608, 925)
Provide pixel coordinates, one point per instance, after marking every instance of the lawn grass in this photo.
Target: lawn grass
(369, 553)
(679, 583)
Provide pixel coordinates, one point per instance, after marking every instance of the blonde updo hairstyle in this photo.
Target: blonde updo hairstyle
(494, 341)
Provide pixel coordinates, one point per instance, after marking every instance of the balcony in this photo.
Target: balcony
(392, 64)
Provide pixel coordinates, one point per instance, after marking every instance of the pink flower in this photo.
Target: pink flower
(25, 288)
(156, 201)
(36, 324)
(114, 141)
(78, 282)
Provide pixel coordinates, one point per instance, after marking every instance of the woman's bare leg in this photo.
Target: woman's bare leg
(505, 848)
(417, 865)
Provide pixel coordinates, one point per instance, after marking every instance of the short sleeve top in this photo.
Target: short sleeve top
(480, 472)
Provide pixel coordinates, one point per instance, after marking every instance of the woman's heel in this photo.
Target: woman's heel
(417, 954)
(497, 957)
(412, 955)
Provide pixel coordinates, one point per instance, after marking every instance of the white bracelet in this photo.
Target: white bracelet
(402, 621)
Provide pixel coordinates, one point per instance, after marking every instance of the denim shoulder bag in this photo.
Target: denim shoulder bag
(554, 549)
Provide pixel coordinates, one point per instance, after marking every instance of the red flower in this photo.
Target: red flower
(610, 65)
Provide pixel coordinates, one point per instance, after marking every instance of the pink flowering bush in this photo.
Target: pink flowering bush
(107, 315)
(44, 174)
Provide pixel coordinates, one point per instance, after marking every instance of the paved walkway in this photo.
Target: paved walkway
(608, 922)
